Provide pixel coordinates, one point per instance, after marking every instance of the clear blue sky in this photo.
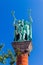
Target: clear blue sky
(7, 29)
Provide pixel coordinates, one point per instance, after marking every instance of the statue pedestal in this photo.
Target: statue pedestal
(23, 50)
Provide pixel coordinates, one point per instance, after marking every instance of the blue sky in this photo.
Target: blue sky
(7, 29)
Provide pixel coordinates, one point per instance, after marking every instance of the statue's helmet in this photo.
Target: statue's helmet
(19, 21)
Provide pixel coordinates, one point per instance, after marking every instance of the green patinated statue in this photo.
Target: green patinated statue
(23, 29)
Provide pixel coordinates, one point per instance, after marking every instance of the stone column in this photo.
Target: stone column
(22, 59)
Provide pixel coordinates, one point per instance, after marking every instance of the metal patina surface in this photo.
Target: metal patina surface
(22, 30)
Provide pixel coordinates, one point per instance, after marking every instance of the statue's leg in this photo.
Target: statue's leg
(24, 36)
(20, 36)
